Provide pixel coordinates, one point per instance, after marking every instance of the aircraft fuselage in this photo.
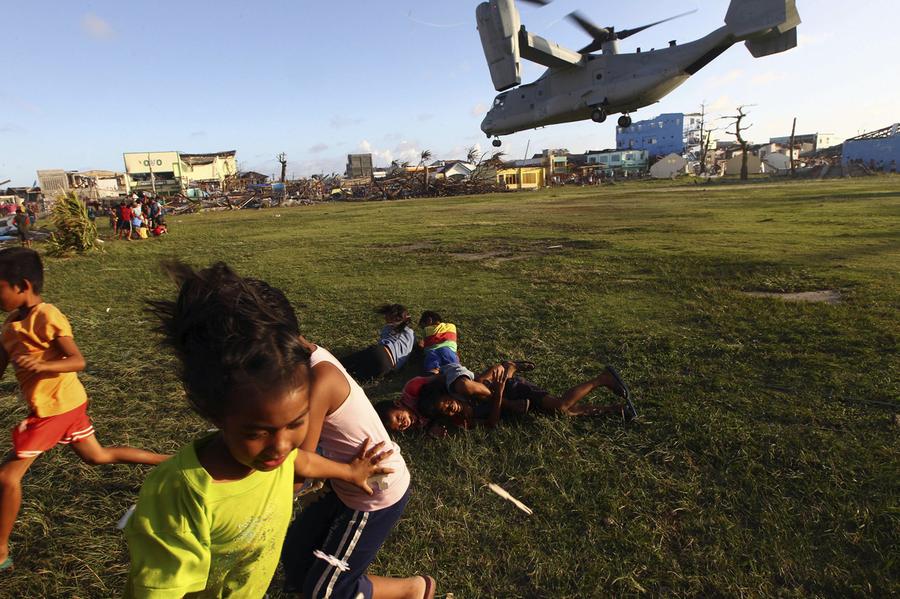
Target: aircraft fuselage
(614, 82)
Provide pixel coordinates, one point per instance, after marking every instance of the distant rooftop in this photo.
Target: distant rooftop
(889, 131)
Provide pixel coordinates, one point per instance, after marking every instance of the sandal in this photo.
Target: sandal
(7, 564)
(524, 365)
(430, 587)
(621, 389)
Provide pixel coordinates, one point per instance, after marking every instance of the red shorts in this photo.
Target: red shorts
(34, 435)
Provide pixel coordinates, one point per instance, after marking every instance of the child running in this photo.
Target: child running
(37, 340)
(345, 523)
(211, 521)
(439, 342)
(395, 343)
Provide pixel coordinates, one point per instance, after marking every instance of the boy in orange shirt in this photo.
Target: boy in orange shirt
(37, 339)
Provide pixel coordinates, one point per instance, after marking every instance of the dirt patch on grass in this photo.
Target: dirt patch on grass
(826, 296)
(410, 247)
(504, 250)
(475, 256)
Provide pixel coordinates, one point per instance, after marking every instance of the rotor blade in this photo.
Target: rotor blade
(538, 2)
(600, 34)
(629, 32)
(592, 47)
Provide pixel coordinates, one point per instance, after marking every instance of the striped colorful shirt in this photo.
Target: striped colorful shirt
(443, 334)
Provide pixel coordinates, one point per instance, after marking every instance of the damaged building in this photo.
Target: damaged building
(172, 172)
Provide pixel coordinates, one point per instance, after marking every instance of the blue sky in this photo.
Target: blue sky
(85, 81)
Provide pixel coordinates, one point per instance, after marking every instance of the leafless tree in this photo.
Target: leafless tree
(282, 158)
(739, 130)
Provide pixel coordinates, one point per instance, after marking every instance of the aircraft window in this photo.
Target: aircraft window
(498, 101)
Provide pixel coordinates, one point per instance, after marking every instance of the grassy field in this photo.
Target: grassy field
(765, 461)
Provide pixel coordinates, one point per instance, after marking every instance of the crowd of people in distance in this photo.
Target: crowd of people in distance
(215, 519)
(138, 218)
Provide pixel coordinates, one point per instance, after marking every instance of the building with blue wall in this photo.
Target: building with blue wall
(878, 149)
(672, 133)
(618, 162)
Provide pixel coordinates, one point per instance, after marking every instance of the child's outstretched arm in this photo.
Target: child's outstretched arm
(71, 361)
(365, 465)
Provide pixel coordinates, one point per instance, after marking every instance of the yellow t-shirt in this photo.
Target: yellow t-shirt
(48, 394)
(191, 536)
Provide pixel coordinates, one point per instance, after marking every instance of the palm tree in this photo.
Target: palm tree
(425, 157)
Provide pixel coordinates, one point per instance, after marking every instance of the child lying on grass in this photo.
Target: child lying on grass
(439, 342)
(458, 398)
(395, 343)
(210, 522)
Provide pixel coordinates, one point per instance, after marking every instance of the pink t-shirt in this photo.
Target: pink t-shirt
(410, 399)
(342, 433)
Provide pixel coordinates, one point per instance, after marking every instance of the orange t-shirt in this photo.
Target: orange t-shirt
(47, 393)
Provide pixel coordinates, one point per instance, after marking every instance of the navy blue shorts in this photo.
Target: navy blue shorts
(516, 389)
(435, 358)
(334, 529)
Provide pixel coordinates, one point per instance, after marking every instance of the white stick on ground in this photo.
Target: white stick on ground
(502, 493)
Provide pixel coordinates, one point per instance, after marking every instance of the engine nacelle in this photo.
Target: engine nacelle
(498, 25)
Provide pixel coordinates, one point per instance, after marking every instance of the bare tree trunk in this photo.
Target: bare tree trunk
(703, 145)
(282, 158)
(791, 149)
(738, 131)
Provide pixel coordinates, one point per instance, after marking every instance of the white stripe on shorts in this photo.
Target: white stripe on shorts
(346, 556)
(354, 521)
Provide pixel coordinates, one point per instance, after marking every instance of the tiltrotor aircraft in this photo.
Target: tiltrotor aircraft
(583, 85)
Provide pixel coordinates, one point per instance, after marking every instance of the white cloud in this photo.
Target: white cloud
(319, 147)
(808, 39)
(729, 77)
(721, 104)
(479, 109)
(96, 27)
(404, 151)
(768, 78)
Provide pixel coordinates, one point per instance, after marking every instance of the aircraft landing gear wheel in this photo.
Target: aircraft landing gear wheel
(496, 143)
(624, 121)
(598, 115)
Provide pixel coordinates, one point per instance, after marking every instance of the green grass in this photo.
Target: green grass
(765, 462)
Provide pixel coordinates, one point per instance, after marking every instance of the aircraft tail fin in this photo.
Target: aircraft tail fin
(773, 43)
(767, 26)
(498, 26)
